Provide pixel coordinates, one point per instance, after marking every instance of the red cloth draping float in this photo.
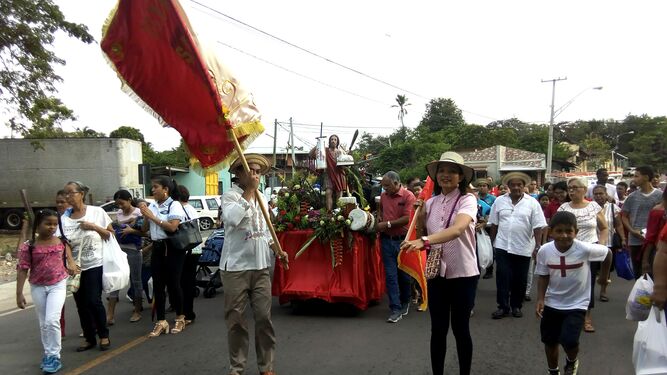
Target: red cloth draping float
(359, 280)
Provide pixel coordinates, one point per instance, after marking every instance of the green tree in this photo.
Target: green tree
(401, 103)
(598, 150)
(127, 132)
(27, 75)
(649, 142)
(441, 114)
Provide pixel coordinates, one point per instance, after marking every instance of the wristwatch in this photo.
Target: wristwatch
(427, 243)
(388, 223)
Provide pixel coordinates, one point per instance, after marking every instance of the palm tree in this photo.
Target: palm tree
(402, 102)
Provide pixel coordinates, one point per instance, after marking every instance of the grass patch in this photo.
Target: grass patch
(8, 243)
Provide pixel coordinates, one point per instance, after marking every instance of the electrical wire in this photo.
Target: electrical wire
(307, 51)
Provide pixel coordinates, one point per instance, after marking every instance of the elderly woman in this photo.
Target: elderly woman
(449, 220)
(592, 227)
(87, 227)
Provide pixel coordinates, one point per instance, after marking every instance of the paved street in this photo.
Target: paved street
(325, 339)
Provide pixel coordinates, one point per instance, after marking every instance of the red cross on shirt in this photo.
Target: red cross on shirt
(562, 266)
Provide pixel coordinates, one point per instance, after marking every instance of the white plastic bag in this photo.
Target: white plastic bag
(115, 269)
(484, 249)
(639, 302)
(649, 352)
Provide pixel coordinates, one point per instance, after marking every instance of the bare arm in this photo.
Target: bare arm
(461, 223)
(542, 284)
(659, 296)
(493, 232)
(21, 277)
(603, 230)
(603, 279)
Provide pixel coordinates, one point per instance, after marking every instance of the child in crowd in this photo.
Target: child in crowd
(43, 256)
(564, 288)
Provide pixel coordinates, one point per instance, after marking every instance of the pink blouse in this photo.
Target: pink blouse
(459, 258)
(45, 262)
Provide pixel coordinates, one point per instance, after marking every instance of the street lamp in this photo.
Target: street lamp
(554, 114)
(613, 151)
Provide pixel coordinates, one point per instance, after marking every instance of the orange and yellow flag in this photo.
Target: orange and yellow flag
(414, 263)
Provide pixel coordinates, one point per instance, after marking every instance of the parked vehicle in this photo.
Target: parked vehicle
(629, 172)
(207, 208)
(44, 166)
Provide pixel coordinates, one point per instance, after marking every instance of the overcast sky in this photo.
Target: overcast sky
(488, 56)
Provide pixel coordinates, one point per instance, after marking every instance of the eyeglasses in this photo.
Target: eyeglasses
(68, 193)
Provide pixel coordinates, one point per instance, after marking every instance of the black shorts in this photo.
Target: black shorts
(562, 327)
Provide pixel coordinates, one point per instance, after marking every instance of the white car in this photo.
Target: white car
(207, 208)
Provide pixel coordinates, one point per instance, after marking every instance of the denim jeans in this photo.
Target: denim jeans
(49, 301)
(511, 278)
(398, 282)
(134, 259)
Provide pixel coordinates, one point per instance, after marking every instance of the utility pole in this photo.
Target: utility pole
(275, 137)
(550, 145)
(291, 132)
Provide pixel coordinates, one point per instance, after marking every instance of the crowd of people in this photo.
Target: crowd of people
(565, 234)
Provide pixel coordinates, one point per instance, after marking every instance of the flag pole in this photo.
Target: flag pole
(277, 249)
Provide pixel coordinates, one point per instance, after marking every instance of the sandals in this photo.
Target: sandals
(160, 327)
(604, 298)
(179, 326)
(588, 326)
(85, 346)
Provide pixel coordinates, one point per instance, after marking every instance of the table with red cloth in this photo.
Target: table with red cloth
(357, 281)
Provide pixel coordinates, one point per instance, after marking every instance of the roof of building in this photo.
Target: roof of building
(513, 156)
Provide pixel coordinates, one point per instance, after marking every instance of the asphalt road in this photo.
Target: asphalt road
(325, 339)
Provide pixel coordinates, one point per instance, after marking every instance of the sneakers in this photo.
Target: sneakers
(555, 371)
(500, 313)
(516, 312)
(44, 360)
(52, 365)
(395, 317)
(571, 367)
(405, 309)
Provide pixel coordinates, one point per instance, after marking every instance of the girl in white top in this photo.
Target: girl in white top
(189, 275)
(592, 227)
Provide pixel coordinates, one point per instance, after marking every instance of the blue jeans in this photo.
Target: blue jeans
(398, 282)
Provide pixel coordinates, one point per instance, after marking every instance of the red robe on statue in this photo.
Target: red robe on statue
(336, 174)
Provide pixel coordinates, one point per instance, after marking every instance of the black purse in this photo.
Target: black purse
(187, 236)
(616, 242)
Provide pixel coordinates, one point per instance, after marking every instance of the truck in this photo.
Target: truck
(44, 166)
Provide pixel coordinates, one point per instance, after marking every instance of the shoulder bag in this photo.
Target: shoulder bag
(187, 236)
(435, 254)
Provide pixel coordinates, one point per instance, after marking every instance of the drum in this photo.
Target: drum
(321, 153)
(362, 221)
(347, 204)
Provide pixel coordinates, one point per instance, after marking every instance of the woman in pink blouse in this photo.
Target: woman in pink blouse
(449, 221)
(44, 256)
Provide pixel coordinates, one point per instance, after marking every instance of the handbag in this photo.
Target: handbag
(74, 281)
(435, 255)
(187, 236)
(623, 264)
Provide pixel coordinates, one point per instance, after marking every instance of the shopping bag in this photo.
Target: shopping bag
(639, 302)
(649, 351)
(484, 249)
(623, 264)
(115, 269)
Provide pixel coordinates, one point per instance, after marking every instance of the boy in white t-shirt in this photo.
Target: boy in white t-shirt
(564, 288)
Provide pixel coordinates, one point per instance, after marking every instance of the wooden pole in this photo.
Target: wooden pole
(413, 224)
(277, 249)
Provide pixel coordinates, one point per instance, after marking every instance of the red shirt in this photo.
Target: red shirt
(551, 209)
(396, 206)
(663, 234)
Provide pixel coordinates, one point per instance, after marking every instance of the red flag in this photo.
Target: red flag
(157, 56)
(414, 263)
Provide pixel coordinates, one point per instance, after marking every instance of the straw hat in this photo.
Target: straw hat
(482, 181)
(514, 176)
(252, 159)
(450, 157)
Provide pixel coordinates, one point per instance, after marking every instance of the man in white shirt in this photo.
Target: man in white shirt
(516, 222)
(603, 176)
(245, 262)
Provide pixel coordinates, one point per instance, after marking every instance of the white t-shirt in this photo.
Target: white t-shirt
(569, 273)
(88, 242)
(587, 222)
(164, 212)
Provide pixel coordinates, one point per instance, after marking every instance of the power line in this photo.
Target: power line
(300, 75)
(308, 51)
